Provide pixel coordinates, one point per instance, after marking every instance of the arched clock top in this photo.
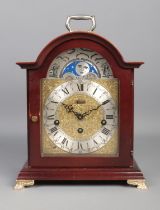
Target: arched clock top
(78, 40)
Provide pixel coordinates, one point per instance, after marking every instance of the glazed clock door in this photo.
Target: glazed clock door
(79, 109)
(98, 73)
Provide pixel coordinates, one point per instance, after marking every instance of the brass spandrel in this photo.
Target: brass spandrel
(47, 86)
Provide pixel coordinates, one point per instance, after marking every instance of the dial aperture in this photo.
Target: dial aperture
(103, 122)
(80, 130)
(56, 122)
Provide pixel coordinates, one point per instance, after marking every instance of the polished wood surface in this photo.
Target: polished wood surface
(72, 174)
(88, 36)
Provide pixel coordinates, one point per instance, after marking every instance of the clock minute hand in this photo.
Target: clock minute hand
(94, 109)
(89, 111)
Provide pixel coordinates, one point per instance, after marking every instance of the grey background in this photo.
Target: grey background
(25, 28)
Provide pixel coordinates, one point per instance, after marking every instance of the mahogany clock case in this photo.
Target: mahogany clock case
(122, 167)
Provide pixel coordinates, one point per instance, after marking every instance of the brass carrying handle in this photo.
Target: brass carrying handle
(81, 17)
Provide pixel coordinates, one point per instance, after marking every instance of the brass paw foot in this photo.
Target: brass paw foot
(20, 184)
(139, 183)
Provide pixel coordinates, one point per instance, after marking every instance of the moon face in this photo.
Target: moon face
(82, 68)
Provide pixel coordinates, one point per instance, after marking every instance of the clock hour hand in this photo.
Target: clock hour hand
(78, 115)
(69, 108)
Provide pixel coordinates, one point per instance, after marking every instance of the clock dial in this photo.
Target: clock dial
(80, 117)
(79, 62)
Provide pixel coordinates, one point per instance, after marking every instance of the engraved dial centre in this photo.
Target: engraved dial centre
(69, 122)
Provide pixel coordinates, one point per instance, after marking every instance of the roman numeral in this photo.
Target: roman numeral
(55, 133)
(50, 117)
(105, 131)
(53, 129)
(55, 102)
(94, 91)
(95, 142)
(108, 116)
(105, 102)
(80, 146)
(80, 87)
(64, 141)
(65, 91)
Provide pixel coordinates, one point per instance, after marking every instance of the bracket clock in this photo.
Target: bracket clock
(80, 105)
